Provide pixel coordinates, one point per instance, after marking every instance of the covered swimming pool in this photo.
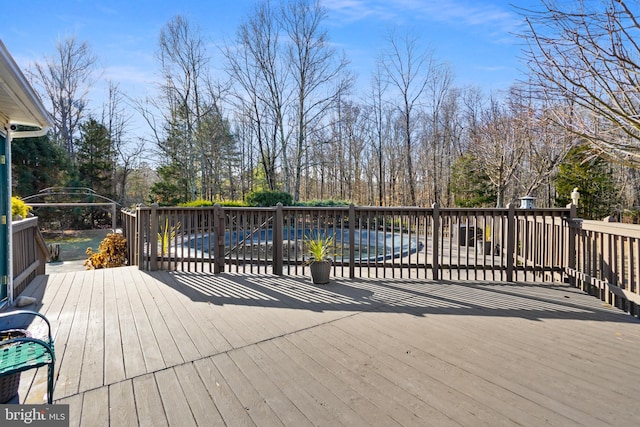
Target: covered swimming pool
(369, 245)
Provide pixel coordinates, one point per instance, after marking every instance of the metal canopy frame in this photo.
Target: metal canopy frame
(73, 191)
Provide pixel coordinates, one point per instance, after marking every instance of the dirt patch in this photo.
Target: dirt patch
(74, 243)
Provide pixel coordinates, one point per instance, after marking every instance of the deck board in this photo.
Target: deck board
(347, 405)
(443, 380)
(168, 348)
(174, 348)
(183, 308)
(134, 364)
(113, 353)
(227, 403)
(397, 361)
(95, 407)
(92, 373)
(399, 405)
(202, 407)
(75, 403)
(149, 346)
(183, 342)
(122, 407)
(149, 408)
(265, 385)
(72, 330)
(174, 399)
(33, 382)
(256, 405)
(506, 368)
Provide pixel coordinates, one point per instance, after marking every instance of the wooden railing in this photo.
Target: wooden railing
(29, 253)
(607, 262)
(480, 244)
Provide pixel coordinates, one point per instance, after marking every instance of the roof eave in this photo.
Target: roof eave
(26, 108)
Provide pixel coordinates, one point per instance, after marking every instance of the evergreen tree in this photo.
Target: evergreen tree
(220, 158)
(177, 174)
(38, 163)
(95, 158)
(470, 185)
(593, 176)
(172, 187)
(95, 165)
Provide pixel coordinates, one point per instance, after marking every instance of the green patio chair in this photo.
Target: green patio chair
(20, 351)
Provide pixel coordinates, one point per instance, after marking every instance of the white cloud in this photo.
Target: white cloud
(457, 12)
(355, 10)
(490, 68)
(128, 74)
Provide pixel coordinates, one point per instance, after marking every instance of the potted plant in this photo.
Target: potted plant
(319, 260)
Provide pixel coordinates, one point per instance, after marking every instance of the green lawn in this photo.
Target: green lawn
(74, 243)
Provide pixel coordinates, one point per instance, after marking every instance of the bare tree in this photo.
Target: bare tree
(192, 133)
(407, 69)
(287, 79)
(545, 148)
(440, 128)
(498, 145)
(256, 65)
(378, 128)
(319, 76)
(65, 80)
(183, 62)
(586, 55)
(128, 154)
(349, 135)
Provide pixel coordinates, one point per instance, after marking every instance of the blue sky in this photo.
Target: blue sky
(475, 37)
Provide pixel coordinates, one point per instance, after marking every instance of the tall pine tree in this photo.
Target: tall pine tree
(38, 163)
(95, 158)
(96, 164)
(593, 176)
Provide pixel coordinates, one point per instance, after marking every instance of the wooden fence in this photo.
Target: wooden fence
(438, 243)
(29, 253)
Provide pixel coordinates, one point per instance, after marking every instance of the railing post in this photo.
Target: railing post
(142, 221)
(114, 218)
(435, 241)
(153, 237)
(352, 241)
(277, 241)
(511, 240)
(218, 251)
(572, 232)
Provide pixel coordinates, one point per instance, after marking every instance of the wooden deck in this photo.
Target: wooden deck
(181, 349)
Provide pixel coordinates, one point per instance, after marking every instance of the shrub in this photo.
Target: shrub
(231, 203)
(323, 203)
(19, 208)
(269, 198)
(196, 203)
(201, 202)
(112, 253)
(631, 216)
